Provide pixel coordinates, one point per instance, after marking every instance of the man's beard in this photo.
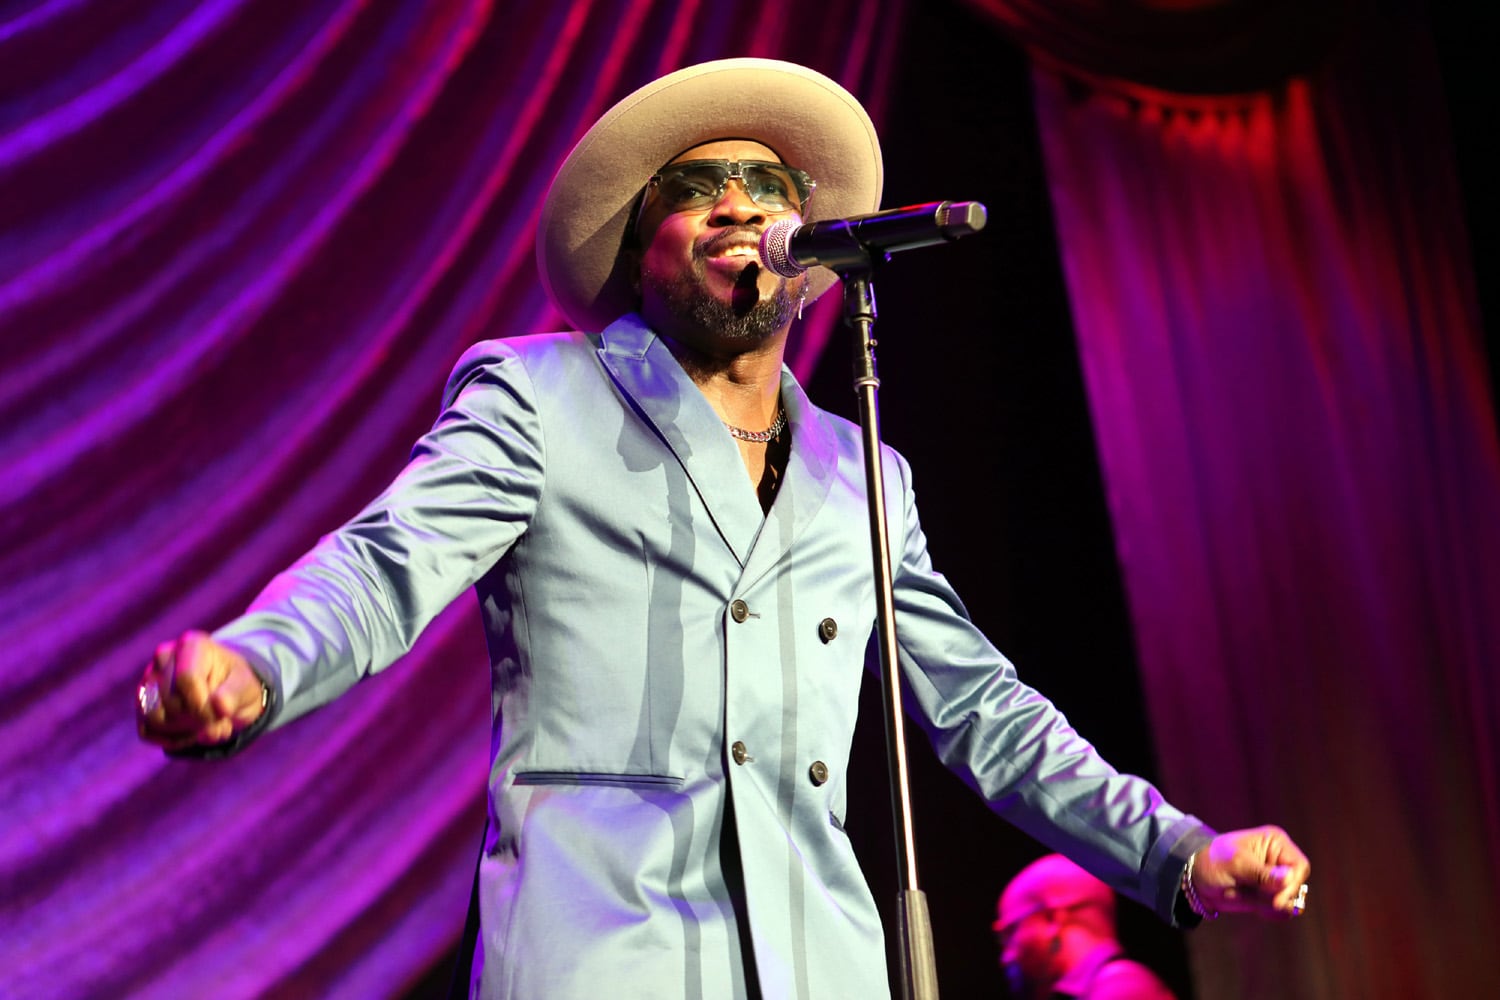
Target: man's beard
(746, 319)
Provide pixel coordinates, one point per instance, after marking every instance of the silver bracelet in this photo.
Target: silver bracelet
(1195, 903)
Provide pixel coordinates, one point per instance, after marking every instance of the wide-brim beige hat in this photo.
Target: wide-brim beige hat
(809, 120)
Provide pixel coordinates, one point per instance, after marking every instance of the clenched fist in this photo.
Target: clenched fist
(1259, 871)
(197, 692)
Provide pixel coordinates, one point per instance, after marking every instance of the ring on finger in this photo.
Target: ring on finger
(148, 695)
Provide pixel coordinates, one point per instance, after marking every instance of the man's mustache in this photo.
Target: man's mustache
(726, 238)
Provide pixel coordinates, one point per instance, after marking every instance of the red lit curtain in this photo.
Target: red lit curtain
(241, 243)
(1281, 344)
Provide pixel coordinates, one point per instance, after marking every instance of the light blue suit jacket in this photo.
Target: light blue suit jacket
(645, 620)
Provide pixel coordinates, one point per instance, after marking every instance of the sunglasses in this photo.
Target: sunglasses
(694, 185)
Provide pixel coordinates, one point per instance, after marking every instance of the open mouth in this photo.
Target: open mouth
(737, 250)
(732, 247)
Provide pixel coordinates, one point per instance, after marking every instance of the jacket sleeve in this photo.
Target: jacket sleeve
(358, 601)
(1014, 747)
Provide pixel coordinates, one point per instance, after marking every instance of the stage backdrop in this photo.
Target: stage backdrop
(242, 242)
(1271, 289)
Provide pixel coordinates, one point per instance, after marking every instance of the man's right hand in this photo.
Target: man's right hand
(196, 692)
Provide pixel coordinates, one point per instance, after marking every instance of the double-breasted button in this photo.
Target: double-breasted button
(828, 629)
(739, 610)
(739, 753)
(818, 772)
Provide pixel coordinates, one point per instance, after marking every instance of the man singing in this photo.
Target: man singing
(670, 547)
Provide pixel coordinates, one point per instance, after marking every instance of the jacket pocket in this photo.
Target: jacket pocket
(597, 778)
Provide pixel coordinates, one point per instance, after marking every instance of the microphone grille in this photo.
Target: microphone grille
(776, 249)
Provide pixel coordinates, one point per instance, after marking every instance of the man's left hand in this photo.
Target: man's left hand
(1257, 871)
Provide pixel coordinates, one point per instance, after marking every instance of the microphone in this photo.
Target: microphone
(848, 244)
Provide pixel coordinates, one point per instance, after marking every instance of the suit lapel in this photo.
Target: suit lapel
(661, 392)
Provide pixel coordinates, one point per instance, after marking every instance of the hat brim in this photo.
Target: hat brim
(809, 120)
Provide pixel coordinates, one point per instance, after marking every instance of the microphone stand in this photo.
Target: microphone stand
(852, 248)
(918, 967)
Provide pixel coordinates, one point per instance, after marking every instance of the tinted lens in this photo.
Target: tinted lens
(692, 185)
(770, 187)
(699, 184)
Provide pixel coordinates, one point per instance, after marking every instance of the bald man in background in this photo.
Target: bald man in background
(1055, 925)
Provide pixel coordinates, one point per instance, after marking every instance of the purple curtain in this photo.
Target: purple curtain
(1284, 360)
(241, 243)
